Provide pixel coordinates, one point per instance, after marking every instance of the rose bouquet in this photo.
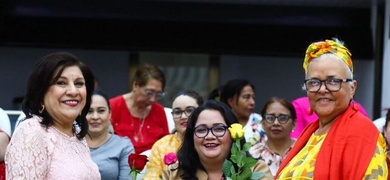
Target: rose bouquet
(239, 157)
(137, 163)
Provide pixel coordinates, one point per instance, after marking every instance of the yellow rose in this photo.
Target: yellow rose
(236, 131)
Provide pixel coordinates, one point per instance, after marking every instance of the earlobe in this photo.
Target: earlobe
(230, 102)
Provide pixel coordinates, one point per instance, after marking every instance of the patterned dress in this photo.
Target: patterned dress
(303, 164)
(261, 151)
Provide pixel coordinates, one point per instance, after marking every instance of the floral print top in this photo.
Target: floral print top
(262, 152)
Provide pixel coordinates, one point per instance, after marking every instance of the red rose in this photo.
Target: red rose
(137, 162)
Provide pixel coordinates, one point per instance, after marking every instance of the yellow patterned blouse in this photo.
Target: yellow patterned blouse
(156, 165)
(303, 164)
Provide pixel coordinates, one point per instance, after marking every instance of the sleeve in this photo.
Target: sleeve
(263, 168)
(154, 167)
(27, 156)
(165, 174)
(124, 168)
(377, 169)
(299, 122)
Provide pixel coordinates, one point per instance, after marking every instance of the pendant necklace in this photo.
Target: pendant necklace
(138, 136)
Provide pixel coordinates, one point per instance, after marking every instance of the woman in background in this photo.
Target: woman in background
(136, 114)
(386, 133)
(278, 122)
(183, 105)
(109, 151)
(4, 141)
(239, 95)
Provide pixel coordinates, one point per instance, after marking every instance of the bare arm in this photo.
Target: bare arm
(4, 140)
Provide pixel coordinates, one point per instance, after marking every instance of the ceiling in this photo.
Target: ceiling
(266, 27)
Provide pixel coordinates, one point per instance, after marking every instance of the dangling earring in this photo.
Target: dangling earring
(42, 108)
(309, 111)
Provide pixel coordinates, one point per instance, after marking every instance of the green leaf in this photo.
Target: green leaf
(257, 175)
(247, 145)
(235, 157)
(233, 172)
(249, 162)
(226, 167)
(239, 160)
(246, 173)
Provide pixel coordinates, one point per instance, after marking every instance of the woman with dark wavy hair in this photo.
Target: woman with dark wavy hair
(207, 144)
(50, 143)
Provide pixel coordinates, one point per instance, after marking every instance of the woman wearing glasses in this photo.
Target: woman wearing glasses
(185, 103)
(239, 95)
(342, 143)
(206, 145)
(136, 114)
(278, 122)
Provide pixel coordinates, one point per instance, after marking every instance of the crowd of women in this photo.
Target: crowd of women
(73, 130)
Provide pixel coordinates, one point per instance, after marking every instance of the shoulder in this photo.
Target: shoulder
(31, 126)
(255, 117)
(261, 167)
(164, 141)
(172, 172)
(121, 141)
(116, 100)
(157, 106)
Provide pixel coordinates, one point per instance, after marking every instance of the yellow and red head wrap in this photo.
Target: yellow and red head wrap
(328, 46)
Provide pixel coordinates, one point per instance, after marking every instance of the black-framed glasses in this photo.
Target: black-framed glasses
(218, 131)
(282, 118)
(177, 113)
(150, 93)
(331, 84)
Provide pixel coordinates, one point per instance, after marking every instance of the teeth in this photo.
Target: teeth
(71, 102)
(210, 145)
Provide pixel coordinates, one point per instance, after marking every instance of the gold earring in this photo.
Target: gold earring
(42, 108)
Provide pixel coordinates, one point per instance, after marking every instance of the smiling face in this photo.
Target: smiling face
(211, 148)
(183, 103)
(328, 105)
(65, 99)
(98, 115)
(243, 106)
(276, 130)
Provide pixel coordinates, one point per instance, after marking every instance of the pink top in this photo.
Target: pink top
(35, 152)
(302, 106)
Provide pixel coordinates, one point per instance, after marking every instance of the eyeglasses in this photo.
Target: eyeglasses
(202, 131)
(282, 118)
(150, 93)
(331, 84)
(177, 113)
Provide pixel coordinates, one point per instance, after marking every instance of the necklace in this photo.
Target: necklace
(138, 136)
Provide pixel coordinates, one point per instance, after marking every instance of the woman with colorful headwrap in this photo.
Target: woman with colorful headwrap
(342, 143)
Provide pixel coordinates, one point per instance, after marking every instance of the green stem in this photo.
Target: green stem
(134, 175)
